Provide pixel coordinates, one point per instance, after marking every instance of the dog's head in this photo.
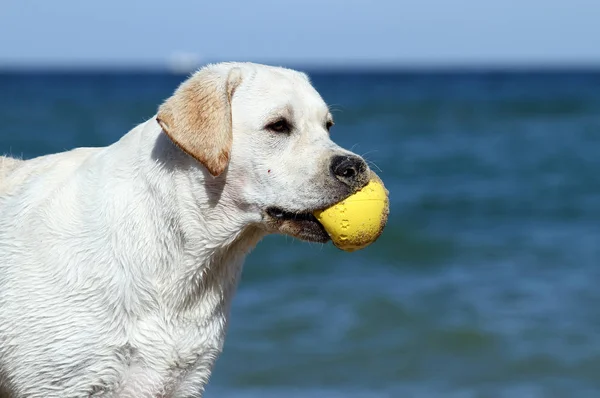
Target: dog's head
(263, 133)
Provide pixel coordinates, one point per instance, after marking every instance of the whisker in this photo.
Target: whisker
(373, 164)
(335, 108)
(369, 152)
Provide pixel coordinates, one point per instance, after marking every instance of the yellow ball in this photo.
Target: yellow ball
(358, 220)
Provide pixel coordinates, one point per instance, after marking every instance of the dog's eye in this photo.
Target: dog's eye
(329, 125)
(280, 126)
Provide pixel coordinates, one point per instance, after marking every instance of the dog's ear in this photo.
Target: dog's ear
(197, 117)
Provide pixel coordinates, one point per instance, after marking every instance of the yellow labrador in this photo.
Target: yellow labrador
(118, 264)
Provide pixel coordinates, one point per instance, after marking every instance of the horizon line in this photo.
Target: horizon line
(381, 66)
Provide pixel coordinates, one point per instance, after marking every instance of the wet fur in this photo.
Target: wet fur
(118, 264)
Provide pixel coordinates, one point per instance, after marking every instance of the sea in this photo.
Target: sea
(486, 280)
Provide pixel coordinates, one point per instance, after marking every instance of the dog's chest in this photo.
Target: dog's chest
(170, 343)
(176, 357)
(170, 357)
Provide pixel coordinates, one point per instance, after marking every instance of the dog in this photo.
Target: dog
(118, 264)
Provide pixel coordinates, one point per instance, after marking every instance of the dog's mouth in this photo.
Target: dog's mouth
(301, 225)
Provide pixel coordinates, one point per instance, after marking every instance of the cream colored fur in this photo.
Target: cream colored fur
(7, 164)
(118, 264)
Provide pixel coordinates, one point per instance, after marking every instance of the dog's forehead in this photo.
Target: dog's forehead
(273, 88)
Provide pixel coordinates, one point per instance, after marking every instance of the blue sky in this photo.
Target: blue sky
(308, 32)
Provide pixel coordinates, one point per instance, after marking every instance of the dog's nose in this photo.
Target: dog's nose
(348, 169)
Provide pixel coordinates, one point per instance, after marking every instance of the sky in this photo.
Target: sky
(405, 33)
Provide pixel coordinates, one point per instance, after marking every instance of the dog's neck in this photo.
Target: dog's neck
(202, 234)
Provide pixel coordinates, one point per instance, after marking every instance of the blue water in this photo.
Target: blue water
(486, 280)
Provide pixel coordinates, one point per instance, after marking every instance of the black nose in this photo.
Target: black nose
(348, 169)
